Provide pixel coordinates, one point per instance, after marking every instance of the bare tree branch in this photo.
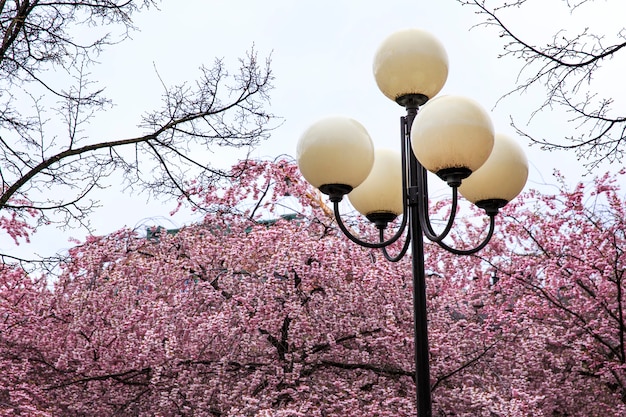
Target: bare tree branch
(47, 177)
(565, 67)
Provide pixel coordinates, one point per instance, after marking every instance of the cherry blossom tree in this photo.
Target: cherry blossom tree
(241, 316)
(557, 286)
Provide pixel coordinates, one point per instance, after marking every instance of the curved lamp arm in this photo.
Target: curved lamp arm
(492, 224)
(403, 251)
(424, 218)
(379, 245)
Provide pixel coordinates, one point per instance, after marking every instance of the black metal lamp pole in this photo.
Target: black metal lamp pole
(418, 191)
(416, 235)
(416, 219)
(454, 138)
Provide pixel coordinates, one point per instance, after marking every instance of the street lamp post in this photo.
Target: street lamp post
(451, 136)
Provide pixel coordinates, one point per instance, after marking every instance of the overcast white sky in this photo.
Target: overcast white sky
(322, 54)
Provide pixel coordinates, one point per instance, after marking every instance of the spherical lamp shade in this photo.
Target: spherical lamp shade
(381, 192)
(452, 134)
(335, 151)
(501, 178)
(410, 62)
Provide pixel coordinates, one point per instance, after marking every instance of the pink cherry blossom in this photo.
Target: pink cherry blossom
(241, 316)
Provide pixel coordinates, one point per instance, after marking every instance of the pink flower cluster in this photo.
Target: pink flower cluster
(240, 316)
